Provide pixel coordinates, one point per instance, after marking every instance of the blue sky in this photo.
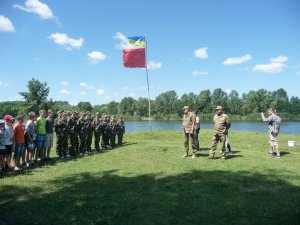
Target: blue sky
(76, 47)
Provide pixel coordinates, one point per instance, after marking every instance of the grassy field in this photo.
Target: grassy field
(147, 182)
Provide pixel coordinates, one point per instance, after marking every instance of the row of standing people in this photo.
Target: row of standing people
(75, 132)
(32, 140)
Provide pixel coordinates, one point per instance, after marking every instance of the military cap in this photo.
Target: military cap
(219, 108)
(185, 107)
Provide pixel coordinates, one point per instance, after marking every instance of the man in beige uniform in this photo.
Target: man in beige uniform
(188, 125)
(222, 124)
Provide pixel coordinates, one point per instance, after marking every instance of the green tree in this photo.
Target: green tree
(204, 101)
(219, 97)
(166, 102)
(36, 96)
(84, 106)
(234, 102)
(112, 108)
(142, 107)
(127, 106)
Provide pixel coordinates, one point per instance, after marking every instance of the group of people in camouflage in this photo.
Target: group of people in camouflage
(190, 124)
(75, 132)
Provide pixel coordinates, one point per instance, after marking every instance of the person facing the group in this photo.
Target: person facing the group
(188, 125)
(274, 127)
(221, 127)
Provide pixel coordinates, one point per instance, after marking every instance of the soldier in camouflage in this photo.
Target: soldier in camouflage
(73, 134)
(120, 129)
(81, 132)
(97, 131)
(221, 127)
(188, 125)
(113, 131)
(88, 131)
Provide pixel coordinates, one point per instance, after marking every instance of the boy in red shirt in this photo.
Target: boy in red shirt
(19, 132)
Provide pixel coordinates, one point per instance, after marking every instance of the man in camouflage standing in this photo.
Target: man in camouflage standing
(73, 134)
(120, 130)
(113, 132)
(97, 131)
(188, 125)
(222, 125)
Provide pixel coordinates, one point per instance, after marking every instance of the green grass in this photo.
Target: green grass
(147, 182)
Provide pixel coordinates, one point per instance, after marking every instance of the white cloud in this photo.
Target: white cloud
(297, 73)
(100, 91)
(123, 41)
(276, 65)
(6, 25)
(131, 94)
(3, 84)
(82, 93)
(201, 53)
(65, 83)
(66, 92)
(67, 42)
(279, 59)
(37, 7)
(153, 65)
(85, 85)
(199, 73)
(125, 88)
(94, 57)
(237, 60)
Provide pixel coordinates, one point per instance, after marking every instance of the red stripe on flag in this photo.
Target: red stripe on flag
(134, 58)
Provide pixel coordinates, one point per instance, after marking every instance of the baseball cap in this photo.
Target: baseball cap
(8, 117)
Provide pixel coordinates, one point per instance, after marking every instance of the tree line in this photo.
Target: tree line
(167, 105)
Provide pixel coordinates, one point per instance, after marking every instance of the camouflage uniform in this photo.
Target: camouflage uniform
(73, 135)
(88, 131)
(222, 124)
(97, 131)
(120, 130)
(105, 132)
(188, 122)
(81, 130)
(61, 129)
(113, 132)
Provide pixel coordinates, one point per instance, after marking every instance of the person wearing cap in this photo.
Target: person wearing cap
(19, 133)
(274, 122)
(188, 125)
(221, 127)
(9, 140)
(2, 145)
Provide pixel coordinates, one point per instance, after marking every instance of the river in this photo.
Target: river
(287, 127)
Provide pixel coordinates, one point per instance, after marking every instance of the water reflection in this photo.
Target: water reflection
(287, 127)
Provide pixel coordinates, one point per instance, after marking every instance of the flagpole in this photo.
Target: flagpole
(149, 103)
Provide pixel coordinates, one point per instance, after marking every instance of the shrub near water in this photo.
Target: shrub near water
(147, 182)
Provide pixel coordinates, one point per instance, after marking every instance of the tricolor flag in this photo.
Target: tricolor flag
(135, 57)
